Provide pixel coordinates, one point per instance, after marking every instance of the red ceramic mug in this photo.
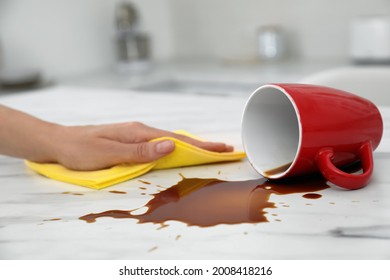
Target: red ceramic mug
(294, 129)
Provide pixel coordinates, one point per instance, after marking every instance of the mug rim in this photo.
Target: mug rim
(298, 148)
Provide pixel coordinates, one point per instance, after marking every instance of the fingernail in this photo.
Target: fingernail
(165, 147)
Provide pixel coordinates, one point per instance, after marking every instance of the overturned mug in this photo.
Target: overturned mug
(294, 129)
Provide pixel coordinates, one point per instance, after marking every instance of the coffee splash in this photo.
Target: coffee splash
(210, 202)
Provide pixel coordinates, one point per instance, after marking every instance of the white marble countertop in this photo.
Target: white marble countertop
(39, 218)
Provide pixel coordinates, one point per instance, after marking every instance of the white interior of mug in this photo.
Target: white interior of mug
(271, 131)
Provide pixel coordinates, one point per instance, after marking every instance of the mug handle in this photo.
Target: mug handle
(341, 178)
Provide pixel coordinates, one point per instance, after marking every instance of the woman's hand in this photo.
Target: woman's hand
(102, 146)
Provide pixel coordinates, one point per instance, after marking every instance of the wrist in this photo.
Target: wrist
(55, 141)
(48, 139)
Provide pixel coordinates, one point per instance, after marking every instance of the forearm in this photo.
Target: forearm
(25, 136)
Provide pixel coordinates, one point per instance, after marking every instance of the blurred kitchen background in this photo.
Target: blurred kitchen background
(116, 43)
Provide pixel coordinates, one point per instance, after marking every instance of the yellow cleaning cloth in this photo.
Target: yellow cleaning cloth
(184, 155)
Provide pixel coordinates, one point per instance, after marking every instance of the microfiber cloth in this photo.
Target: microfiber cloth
(184, 155)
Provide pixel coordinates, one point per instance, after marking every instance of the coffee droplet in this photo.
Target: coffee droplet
(312, 195)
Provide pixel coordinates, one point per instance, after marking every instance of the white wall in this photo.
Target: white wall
(71, 37)
(227, 28)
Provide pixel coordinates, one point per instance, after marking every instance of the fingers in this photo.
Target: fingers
(150, 133)
(210, 146)
(135, 132)
(150, 151)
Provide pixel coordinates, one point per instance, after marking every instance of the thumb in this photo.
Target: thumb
(150, 151)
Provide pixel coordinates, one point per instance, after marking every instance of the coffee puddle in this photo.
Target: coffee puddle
(210, 202)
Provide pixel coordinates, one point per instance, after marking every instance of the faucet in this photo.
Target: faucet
(132, 45)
